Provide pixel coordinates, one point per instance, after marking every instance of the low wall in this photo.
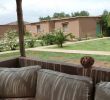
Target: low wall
(97, 74)
(11, 63)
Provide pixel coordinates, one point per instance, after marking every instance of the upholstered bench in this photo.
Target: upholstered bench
(34, 83)
(18, 83)
(102, 91)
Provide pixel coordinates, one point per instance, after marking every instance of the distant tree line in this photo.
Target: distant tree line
(64, 15)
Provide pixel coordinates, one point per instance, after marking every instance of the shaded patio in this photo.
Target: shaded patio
(97, 74)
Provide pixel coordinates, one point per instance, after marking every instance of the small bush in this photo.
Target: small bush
(79, 39)
(11, 39)
(28, 34)
(48, 39)
(71, 36)
(31, 43)
(1, 48)
(60, 38)
(56, 37)
(100, 35)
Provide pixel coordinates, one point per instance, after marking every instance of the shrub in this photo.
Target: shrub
(1, 48)
(48, 39)
(60, 37)
(79, 39)
(10, 38)
(42, 43)
(56, 37)
(31, 42)
(28, 34)
(100, 35)
(72, 36)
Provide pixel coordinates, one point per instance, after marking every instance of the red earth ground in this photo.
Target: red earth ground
(77, 61)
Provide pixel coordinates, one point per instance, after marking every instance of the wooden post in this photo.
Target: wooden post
(20, 27)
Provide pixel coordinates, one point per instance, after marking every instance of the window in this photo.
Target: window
(38, 29)
(65, 27)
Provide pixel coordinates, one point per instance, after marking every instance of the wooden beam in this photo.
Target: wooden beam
(20, 27)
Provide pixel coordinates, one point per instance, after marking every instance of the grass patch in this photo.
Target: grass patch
(52, 56)
(9, 56)
(64, 56)
(96, 45)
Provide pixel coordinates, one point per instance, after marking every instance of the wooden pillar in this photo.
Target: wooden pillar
(20, 27)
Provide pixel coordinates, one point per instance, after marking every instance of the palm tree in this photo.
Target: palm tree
(20, 27)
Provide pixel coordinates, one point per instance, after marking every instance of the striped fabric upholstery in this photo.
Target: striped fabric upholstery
(19, 99)
(18, 82)
(53, 85)
(103, 91)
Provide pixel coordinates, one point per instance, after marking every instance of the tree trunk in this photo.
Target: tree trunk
(20, 27)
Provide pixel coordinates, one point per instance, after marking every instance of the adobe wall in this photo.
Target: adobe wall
(5, 28)
(73, 26)
(31, 28)
(87, 27)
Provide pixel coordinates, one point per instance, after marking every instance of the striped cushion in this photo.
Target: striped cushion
(103, 91)
(19, 99)
(18, 82)
(53, 85)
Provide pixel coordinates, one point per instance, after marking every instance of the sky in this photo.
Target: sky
(33, 9)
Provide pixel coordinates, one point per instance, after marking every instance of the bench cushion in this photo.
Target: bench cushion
(102, 91)
(18, 82)
(18, 99)
(53, 85)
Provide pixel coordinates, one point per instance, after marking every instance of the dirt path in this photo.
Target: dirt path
(106, 53)
(46, 48)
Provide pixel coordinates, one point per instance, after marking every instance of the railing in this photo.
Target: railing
(96, 73)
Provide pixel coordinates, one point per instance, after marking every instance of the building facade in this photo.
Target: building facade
(80, 27)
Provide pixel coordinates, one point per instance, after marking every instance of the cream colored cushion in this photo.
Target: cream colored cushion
(53, 85)
(18, 82)
(102, 91)
(18, 99)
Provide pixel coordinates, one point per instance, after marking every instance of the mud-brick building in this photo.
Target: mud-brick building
(80, 27)
(11, 26)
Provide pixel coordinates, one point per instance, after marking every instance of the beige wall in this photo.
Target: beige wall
(5, 28)
(32, 29)
(51, 26)
(80, 27)
(87, 27)
(44, 27)
(73, 26)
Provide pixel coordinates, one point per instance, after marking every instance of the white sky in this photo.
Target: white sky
(33, 9)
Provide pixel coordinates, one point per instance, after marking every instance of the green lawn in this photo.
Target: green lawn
(96, 45)
(52, 56)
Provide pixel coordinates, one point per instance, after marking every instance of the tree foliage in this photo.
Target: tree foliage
(45, 18)
(105, 23)
(64, 15)
(60, 15)
(82, 13)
